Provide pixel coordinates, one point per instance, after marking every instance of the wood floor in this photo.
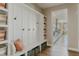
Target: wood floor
(47, 52)
(59, 49)
(73, 53)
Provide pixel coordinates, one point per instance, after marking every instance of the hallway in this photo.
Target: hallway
(28, 29)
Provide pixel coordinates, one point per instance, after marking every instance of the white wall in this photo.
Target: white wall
(78, 26)
(72, 23)
(73, 26)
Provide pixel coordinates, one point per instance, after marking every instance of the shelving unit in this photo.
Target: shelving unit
(5, 26)
(3, 29)
(3, 42)
(3, 11)
(45, 28)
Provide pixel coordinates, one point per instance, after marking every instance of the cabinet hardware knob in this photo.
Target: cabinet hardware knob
(15, 18)
(23, 29)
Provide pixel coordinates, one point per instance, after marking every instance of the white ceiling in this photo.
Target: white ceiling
(47, 5)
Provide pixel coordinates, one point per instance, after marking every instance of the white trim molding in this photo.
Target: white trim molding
(73, 49)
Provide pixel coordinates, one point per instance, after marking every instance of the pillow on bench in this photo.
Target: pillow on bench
(19, 45)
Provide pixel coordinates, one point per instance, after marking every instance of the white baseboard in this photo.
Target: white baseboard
(73, 49)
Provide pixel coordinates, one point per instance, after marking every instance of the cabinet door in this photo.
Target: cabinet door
(17, 21)
(38, 28)
(29, 34)
(34, 30)
(27, 24)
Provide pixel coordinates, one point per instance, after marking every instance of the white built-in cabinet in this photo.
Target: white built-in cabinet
(27, 24)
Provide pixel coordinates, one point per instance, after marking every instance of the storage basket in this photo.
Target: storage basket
(3, 17)
(2, 35)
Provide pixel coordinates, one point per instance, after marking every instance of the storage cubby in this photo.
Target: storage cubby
(34, 51)
(43, 46)
(22, 55)
(30, 53)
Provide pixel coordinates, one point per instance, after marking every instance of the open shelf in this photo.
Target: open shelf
(3, 25)
(3, 42)
(3, 30)
(3, 11)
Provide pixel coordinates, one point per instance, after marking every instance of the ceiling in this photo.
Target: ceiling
(47, 5)
(61, 14)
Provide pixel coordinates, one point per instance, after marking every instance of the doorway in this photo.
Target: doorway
(59, 32)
